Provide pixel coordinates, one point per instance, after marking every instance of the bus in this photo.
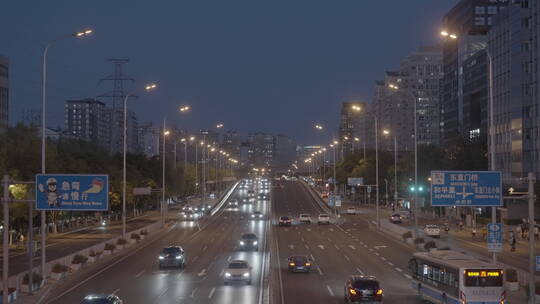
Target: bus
(448, 277)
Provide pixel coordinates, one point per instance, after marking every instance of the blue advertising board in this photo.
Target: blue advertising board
(74, 192)
(494, 237)
(466, 188)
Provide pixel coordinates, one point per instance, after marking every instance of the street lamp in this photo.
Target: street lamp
(185, 108)
(356, 108)
(219, 126)
(387, 132)
(319, 127)
(148, 87)
(165, 133)
(79, 34)
(396, 88)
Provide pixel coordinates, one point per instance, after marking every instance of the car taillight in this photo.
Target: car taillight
(352, 291)
(379, 292)
(291, 264)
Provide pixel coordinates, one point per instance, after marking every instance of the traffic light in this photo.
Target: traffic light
(413, 188)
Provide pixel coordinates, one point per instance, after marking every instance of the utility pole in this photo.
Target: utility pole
(532, 256)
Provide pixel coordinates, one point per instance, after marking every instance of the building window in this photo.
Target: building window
(474, 133)
(479, 21)
(480, 10)
(492, 10)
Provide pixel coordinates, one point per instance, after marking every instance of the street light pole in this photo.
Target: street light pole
(492, 138)
(377, 168)
(415, 173)
(395, 172)
(163, 175)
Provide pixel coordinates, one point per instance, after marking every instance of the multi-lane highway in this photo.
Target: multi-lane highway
(208, 246)
(345, 247)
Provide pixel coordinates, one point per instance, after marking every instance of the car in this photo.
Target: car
(248, 241)
(432, 231)
(284, 221)
(102, 299)
(190, 216)
(237, 270)
(363, 289)
(187, 208)
(324, 195)
(323, 219)
(262, 197)
(304, 218)
(233, 203)
(257, 215)
(396, 218)
(299, 263)
(351, 211)
(172, 256)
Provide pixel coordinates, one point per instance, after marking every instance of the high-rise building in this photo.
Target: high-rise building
(514, 49)
(417, 81)
(285, 151)
(88, 119)
(4, 92)
(464, 93)
(231, 143)
(148, 139)
(261, 149)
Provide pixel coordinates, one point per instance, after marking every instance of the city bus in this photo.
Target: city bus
(446, 276)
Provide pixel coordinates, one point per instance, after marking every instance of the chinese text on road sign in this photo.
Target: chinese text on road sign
(466, 188)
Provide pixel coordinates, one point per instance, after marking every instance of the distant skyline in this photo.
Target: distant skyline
(276, 67)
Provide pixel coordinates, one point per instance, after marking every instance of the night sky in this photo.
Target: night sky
(273, 66)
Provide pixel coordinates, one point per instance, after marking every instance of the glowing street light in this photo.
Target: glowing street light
(219, 126)
(185, 108)
(356, 108)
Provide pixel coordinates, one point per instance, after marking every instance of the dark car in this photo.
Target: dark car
(102, 299)
(285, 221)
(395, 218)
(190, 216)
(361, 289)
(172, 256)
(299, 263)
(248, 241)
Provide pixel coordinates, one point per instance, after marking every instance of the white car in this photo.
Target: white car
(304, 218)
(351, 211)
(324, 219)
(237, 270)
(432, 231)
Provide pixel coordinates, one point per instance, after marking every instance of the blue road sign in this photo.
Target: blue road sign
(80, 192)
(494, 237)
(466, 188)
(331, 200)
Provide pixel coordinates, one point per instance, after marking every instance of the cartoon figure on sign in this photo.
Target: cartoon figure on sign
(96, 186)
(51, 192)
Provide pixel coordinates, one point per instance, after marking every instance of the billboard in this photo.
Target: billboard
(73, 192)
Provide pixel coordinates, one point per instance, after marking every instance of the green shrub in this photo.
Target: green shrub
(79, 259)
(511, 275)
(109, 246)
(429, 245)
(59, 268)
(407, 235)
(36, 278)
(144, 232)
(135, 236)
(418, 240)
(121, 242)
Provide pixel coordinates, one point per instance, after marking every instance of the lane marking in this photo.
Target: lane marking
(193, 292)
(195, 258)
(307, 247)
(390, 263)
(330, 290)
(312, 258)
(359, 271)
(337, 247)
(303, 240)
(371, 249)
(116, 291)
(320, 271)
(139, 274)
(408, 276)
(331, 229)
(376, 253)
(383, 258)
(352, 247)
(229, 258)
(347, 258)
(202, 273)
(205, 247)
(291, 246)
(399, 269)
(211, 292)
(321, 246)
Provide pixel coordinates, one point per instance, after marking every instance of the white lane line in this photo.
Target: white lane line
(408, 276)
(359, 271)
(371, 249)
(361, 243)
(211, 292)
(346, 258)
(221, 273)
(319, 269)
(229, 258)
(376, 253)
(307, 247)
(321, 246)
(352, 247)
(116, 291)
(383, 258)
(399, 269)
(390, 263)
(303, 240)
(195, 258)
(291, 246)
(337, 247)
(312, 258)
(205, 247)
(331, 229)
(193, 292)
(366, 246)
(139, 274)
(330, 290)
(202, 273)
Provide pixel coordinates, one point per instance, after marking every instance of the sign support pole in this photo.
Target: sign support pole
(5, 245)
(532, 258)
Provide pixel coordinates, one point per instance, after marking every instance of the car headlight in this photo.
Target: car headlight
(191, 215)
(255, 243)
(246, 274)
(253, 215)
(242, 243)
(178, 257)
(161, 257)
(227, 274)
